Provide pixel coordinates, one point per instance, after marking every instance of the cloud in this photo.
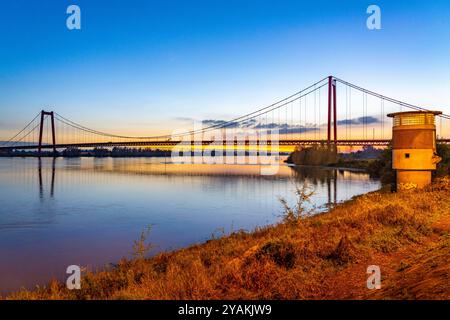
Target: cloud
(358, 121)
(250, 123)
(220, 123)
(283, 128)
(211, 122)
(184, 119)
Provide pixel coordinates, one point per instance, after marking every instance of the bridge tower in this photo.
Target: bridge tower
(41, 129)
(332, 111)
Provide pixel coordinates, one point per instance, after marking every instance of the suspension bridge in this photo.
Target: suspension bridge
(331, 111)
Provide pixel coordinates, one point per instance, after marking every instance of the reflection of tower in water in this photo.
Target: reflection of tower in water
(316, 176)
(332, 178)
(41, 181)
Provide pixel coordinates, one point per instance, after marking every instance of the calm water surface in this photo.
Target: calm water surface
(88, 211)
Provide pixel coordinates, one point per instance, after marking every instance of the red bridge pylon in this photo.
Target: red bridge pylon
(41, 130)
(332, 110)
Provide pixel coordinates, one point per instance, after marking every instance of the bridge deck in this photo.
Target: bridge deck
(204, 143)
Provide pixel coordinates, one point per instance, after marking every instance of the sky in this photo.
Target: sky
(142, 67)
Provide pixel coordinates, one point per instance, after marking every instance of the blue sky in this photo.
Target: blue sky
(140, 66)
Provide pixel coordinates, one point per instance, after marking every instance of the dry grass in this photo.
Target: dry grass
(318, 257)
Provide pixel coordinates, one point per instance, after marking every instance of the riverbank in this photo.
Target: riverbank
(319, 257)
(95, 153)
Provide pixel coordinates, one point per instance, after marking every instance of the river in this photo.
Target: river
(88, 211)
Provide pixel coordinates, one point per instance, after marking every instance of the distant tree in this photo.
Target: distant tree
(443, 168)
(71, 152)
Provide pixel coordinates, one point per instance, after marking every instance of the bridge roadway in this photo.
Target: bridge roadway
(171, 143)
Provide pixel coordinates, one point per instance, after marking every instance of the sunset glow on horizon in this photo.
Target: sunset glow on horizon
(215, 62)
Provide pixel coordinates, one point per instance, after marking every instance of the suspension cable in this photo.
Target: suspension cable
(395, 101)
(235, 121)
(22, 130)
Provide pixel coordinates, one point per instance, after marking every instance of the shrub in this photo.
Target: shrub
(443, 168)
(344, 253)
(280, 252)
(382, 167)
(293, 214)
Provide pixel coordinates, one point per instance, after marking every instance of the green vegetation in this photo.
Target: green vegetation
(323, 256)
(294, 214)
(382, 166)
(313, 155)
(443, 150)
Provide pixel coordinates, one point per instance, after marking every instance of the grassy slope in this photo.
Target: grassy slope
(321, 257)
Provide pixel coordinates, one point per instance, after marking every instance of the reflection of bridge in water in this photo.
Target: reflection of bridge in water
(52, 183)
(316, 175)
(86, 171)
